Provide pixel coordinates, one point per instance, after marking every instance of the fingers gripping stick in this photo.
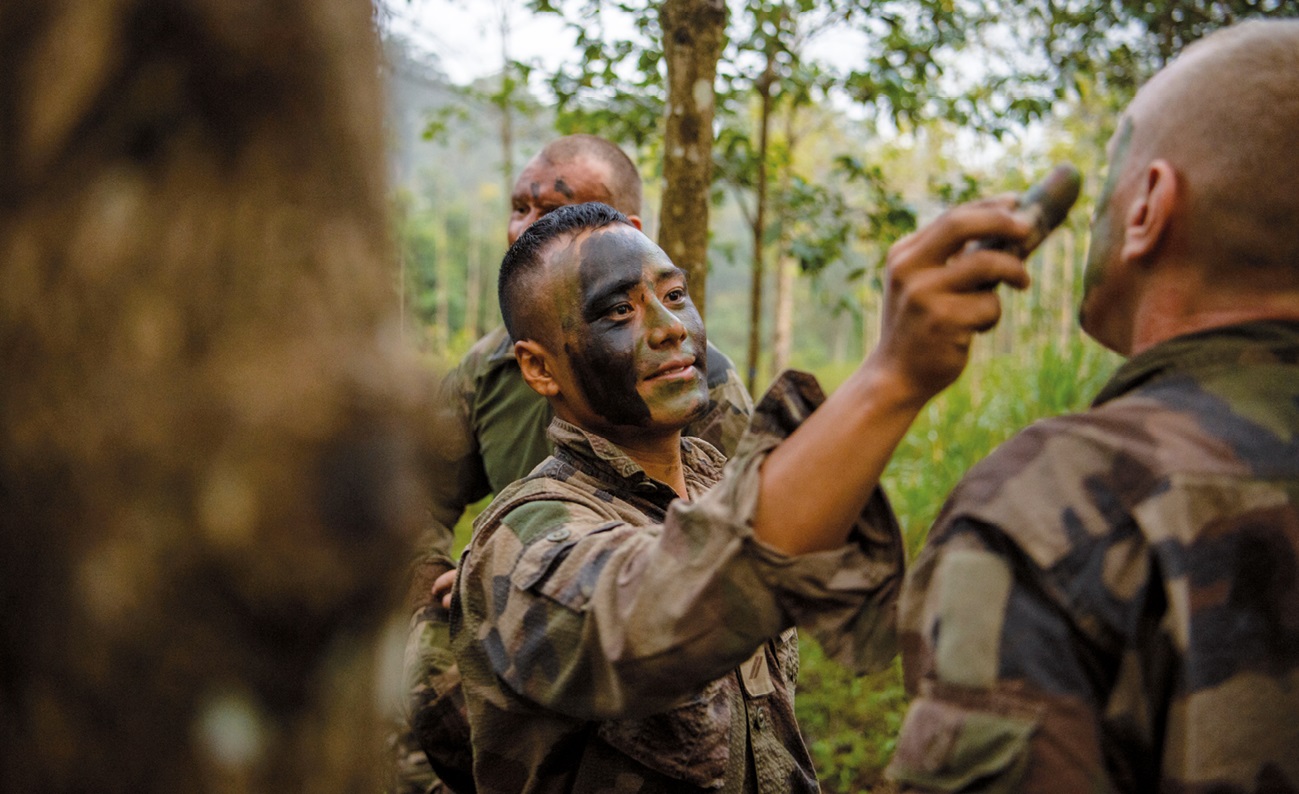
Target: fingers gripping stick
(1046, 204)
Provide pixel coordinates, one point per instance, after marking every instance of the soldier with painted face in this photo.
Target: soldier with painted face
(493, 431)
(1110, 601)
(624, 616)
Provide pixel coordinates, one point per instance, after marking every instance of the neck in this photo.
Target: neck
(1185, 305)
(660, 457)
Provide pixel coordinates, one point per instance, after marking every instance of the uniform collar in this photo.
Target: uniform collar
(702, 462)
(502, 351)
(1211, 349)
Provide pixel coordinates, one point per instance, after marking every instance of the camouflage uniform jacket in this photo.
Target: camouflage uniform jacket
(1110, 601)
(612, 637)
(492, 429)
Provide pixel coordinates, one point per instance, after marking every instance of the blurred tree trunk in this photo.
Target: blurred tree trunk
(764, 87)
(442, 279)
(504, 101)
(782, 334)
(473, 272)
(692, 43)
(207, 453)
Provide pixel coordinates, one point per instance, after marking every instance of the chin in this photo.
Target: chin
(678, 417)
(1092, 325)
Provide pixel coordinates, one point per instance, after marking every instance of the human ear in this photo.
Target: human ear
(534, 364)
(634, 220)
(1151, 210)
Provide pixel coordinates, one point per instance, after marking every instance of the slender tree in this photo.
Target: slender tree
(692, 42)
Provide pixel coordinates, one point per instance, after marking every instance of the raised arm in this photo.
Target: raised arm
(938, 296)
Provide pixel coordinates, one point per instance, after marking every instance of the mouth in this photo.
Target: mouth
(676, 369)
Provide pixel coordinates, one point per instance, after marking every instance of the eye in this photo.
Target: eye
(621, 310)
(676, 295)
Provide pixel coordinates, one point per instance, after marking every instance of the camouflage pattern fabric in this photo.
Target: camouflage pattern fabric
(1110, 602)
(612, 637)
(495, 434)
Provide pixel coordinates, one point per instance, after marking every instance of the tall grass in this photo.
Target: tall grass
(852, 723)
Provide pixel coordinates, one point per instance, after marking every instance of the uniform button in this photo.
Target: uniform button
(558, 535)
(760, 718)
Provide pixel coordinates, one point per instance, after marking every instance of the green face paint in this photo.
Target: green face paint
(1101, 243)
(628, 292)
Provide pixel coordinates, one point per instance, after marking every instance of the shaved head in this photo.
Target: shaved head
(1225, 115)
(622, 180)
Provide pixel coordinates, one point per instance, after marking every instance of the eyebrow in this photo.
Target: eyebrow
(595, 300)
(675, 272)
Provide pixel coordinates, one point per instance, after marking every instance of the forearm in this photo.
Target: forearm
(938, 295)
(815, 484)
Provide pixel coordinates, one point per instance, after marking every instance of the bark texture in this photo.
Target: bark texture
(692, 42)
(207, 464)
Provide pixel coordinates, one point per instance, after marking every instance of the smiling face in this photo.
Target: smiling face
(628, 344)
(544, 187)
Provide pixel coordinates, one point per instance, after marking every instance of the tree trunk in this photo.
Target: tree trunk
(782, 333)
(764, 85)
(504, 104)
(692, 43)
(442, 280)
(207, 425)
(474, 272)
(1068, 311)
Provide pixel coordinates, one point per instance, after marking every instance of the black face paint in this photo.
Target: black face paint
(562, 187)
(606, 361)
(536, 191)
(610, 357)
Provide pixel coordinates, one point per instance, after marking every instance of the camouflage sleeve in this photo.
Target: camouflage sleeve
(596, 618)
(1007, 667)
(435, 734)
(729, 406)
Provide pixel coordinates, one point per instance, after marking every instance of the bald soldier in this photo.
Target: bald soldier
(1110, 601)
(624, 616)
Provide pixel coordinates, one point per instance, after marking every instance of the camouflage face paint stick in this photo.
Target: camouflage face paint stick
(1046, 204)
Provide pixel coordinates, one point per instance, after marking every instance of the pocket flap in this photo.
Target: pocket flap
(948, 747)
(540, 558)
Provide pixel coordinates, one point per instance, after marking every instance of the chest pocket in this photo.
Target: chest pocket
(565, 566)
(691, 743)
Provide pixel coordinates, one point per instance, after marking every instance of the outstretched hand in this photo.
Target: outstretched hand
(939, 294)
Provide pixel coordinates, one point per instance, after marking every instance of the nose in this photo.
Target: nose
(665, 327)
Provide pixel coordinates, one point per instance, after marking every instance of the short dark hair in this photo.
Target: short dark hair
(524, 256)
